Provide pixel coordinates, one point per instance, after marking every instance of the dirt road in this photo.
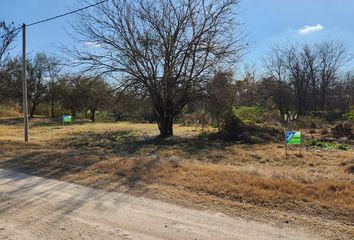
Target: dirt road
(39, 208)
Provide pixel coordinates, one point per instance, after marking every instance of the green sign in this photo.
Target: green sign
(67, 119)
(293, 138)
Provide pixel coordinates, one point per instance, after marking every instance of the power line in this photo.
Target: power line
(55, 17)
(65, 14)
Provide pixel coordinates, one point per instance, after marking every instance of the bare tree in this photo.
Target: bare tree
(245, 89)
(297, 70)
(277, 84)
(309, 57)
(275, 64)
(8, 33)
(341, 95)
(332, 55)
(54, 68)
(165, 48)
(310, 70)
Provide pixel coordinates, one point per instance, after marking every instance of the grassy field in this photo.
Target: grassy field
(314, 190)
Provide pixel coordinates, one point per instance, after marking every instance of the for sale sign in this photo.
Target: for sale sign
(293, 138)
(67, 119)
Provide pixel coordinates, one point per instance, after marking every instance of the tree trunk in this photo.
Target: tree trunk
(93, 115)
(323, 99)
(52, 108)
(203, 120)
(314, 100)
(33, 109)
(52, 100)
(299, 105)
(165, 126)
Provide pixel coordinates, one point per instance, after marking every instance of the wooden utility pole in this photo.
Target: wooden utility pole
(24, 82)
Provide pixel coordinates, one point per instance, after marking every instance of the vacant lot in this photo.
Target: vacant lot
(315, 190)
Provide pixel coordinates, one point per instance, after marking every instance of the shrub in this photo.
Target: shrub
(350, 116)
(250, 114)
(329, 145)
(231, 125)
(232, 128)
(104, 116)
(43, 109)
(333, 116)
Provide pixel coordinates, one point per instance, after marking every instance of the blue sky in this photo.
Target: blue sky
(266, 22)
(269, 22)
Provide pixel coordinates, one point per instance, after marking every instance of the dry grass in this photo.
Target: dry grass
(315, 189)
(10, 110)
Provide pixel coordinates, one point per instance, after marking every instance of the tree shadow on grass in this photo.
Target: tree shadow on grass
(91, 168)
(126, 158)
(44, 163)
(41, 122)
(131, 143)
(11, 121)
(52, 122)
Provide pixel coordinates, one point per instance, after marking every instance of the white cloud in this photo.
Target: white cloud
(309, 29)
(92, 44)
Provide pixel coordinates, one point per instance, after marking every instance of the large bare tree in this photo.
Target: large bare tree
(165, 48)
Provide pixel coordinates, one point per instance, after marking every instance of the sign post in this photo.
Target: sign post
(292, 138)
(286, 145)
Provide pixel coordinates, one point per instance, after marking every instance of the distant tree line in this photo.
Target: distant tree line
(310, 75)
(299, 80)
(53, 92)
(309, 87)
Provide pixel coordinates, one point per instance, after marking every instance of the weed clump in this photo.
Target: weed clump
(314, 144)
(350, 116)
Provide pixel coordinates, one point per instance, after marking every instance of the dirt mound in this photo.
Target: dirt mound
(251, 134)
(350, 169)
(343, 130)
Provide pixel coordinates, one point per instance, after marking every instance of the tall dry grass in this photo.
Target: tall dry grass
(10, 110)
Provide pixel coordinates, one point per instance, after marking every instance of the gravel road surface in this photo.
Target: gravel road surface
(38, 208)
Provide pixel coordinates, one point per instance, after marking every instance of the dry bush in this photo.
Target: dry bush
(13, 110)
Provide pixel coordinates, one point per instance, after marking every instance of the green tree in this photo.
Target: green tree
(37, 79)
